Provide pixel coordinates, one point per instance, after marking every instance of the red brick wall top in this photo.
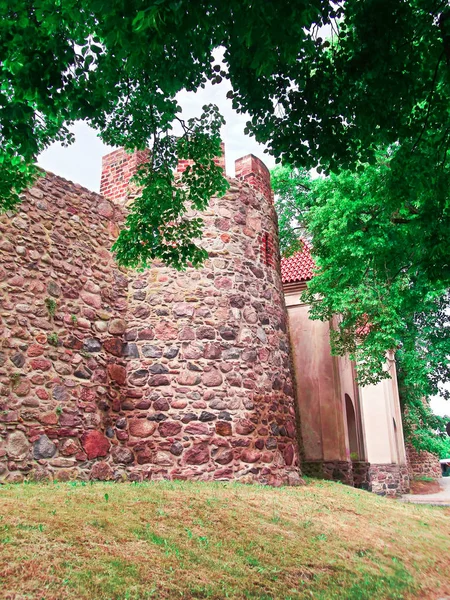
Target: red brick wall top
(219, 160)
(119, 166)
(252, 170)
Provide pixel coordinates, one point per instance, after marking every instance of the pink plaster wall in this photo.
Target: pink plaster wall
(318, 390)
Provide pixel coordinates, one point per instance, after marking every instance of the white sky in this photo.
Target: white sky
(440, 406)
(81, 162)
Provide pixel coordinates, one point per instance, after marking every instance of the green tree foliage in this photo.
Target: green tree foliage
(157, 225)
(119, 65)
(381, 78)
(378, 273)
(425, 430)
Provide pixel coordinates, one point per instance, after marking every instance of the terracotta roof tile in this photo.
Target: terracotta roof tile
(299, 267)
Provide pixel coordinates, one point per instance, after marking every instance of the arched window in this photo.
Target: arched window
(397, 442)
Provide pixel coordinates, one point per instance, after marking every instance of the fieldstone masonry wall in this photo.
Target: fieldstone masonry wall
(63, 304)
(422, 464)
(332, 470)
(110, 374)
(354, 473)
(388, 480)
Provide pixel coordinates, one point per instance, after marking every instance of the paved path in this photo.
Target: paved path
(440, 499)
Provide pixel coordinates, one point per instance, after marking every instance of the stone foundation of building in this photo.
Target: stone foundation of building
(389, 480)
(333, 470)
(385, 480)
(361, 474)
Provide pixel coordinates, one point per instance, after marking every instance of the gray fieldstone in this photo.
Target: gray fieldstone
(43, 448)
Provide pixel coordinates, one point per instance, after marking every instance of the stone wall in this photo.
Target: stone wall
(385, 480)
(388, 480)
(422, 464)
(332, 470)
(112, 374)
(361, 474)
(63, 303)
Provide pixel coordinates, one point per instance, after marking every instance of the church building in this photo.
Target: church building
(349, 433)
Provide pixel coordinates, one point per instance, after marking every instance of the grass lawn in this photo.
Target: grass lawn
(198, 540)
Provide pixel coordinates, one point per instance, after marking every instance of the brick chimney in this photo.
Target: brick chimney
(252, 170)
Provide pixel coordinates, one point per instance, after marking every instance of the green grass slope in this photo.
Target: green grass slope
(106, 541)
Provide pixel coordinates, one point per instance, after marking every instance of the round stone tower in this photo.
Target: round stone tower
(112, 374)
(208, 392)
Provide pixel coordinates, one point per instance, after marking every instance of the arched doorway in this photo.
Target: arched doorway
(352, 428)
